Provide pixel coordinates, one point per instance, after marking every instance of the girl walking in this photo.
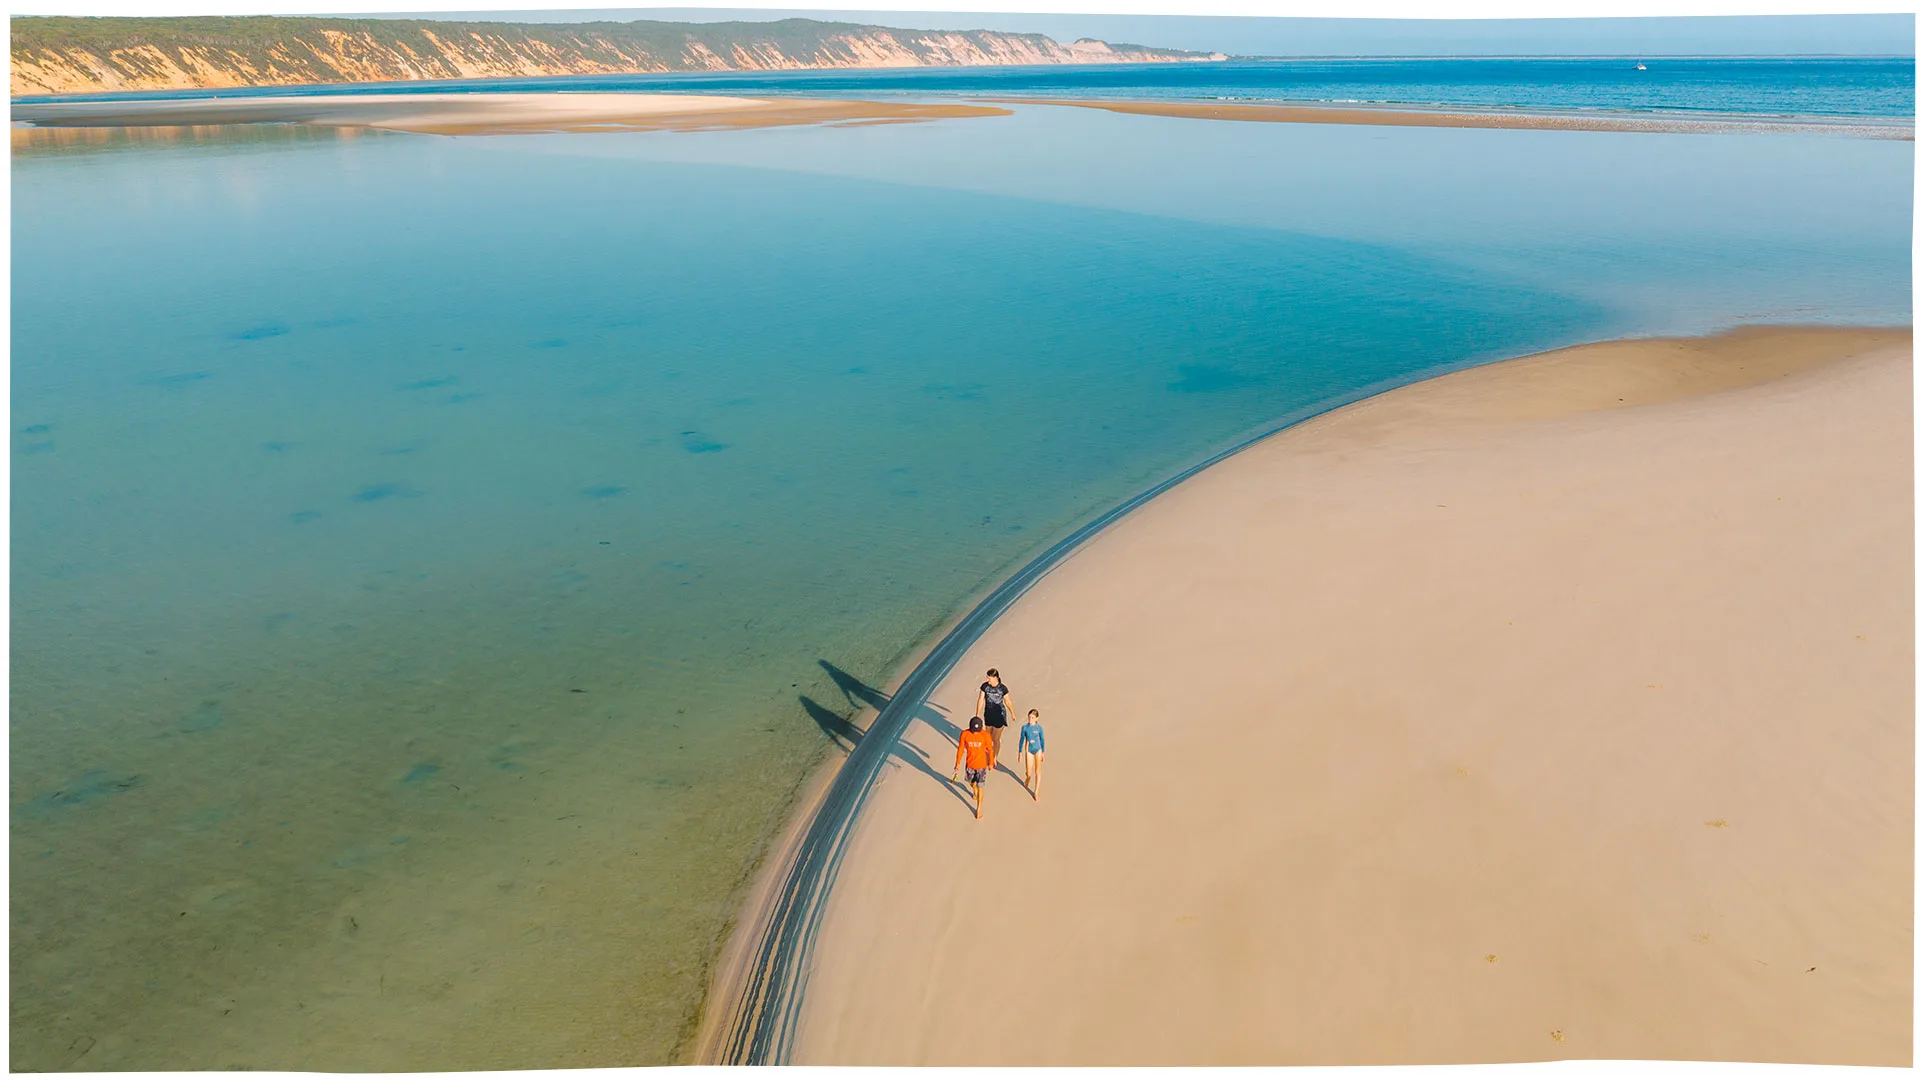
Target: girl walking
(1033, 750)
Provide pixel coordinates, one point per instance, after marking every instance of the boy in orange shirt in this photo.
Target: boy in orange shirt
(975, 754)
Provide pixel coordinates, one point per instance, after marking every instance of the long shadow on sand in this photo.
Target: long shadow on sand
(1017, 778)
(847, 735)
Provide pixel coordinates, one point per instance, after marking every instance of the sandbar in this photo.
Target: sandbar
(493, 113)
(1389, 116)
(1557, 708)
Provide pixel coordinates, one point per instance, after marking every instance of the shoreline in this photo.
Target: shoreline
(760, 996)
(884, 936)
(721, 1006)
(730, 972)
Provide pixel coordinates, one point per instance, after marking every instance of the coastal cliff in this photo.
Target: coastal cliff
(60, 55)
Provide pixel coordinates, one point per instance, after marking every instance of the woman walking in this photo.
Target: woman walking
(994, 701)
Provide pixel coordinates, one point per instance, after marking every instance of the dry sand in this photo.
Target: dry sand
(493, 114)
(1557, 708)
(1489, 118)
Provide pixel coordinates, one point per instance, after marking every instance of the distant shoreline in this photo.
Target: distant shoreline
(496, 114)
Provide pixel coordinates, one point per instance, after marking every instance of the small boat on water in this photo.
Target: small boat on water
(1639, 67)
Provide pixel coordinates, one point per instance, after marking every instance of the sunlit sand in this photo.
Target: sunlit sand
(1556, 708)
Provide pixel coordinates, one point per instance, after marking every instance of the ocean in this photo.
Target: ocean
(438, 562)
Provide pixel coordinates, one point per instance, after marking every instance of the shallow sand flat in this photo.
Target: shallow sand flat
(1557, 708)
(491, 114)
(1391, 117)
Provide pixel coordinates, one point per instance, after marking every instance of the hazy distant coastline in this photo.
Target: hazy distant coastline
(78, 56)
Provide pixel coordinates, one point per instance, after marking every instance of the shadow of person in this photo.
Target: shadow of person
(934, 719)
(1002, 766)
(841, 730)
(916, 757)
(847, 735)
(857, 693)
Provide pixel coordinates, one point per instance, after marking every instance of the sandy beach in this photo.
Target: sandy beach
(494, 114)
(1560, 708)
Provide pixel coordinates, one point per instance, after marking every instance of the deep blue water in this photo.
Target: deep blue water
(1813, 87)
(437, 561)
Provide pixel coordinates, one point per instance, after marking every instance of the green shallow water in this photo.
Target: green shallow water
(436, 562)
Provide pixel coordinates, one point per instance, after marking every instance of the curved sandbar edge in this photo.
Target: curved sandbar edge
(1561, 707)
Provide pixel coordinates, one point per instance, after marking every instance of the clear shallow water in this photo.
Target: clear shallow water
(436, 561)
(1807, 86)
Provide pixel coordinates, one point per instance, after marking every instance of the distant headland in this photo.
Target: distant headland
(61, 55)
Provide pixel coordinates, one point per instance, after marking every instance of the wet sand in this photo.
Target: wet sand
(1469, 118)
(1561, 708)
(494, 114)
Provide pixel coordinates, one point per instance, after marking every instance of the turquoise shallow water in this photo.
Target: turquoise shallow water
(437, 561)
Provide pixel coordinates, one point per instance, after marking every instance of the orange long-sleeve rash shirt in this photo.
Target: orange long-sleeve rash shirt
(975, 751)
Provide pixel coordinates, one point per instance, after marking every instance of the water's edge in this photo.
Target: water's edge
(728, 966)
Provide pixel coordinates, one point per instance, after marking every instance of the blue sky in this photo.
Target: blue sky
(1878, 35)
